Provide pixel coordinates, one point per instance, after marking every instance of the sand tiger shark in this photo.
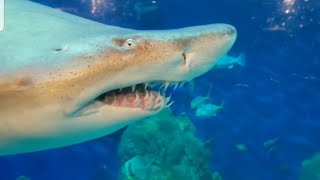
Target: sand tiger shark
(66, 80)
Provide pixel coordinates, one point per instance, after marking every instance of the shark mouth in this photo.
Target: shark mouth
(145, 96)
(137, 96)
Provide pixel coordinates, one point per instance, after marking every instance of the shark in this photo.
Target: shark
(65, 79)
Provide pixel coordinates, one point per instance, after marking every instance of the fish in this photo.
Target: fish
(208, 110)
(203, 108)
(271, 144)
(65, 79)
(241, 147)
(199, 101)
(228, 62)
(144, 8)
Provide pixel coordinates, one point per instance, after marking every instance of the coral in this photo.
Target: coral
(23, 178)
(216, 176)
(311, 168)
(164, 147)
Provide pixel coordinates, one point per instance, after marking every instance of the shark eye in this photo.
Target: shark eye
(129, 44)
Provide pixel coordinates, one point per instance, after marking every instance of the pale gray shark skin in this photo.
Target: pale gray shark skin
(54, 66)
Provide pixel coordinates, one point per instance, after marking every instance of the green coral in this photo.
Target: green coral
(23, 178)
(216, 176)
(311, 168)
(164, 147)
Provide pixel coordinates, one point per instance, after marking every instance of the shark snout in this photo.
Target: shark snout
(229, 30)
(207, 44)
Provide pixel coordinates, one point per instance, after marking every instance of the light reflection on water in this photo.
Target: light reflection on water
(291, 15)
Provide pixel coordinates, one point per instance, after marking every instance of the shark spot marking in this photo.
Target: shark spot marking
(24, 82)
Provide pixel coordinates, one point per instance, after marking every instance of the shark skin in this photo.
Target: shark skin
(58, 71)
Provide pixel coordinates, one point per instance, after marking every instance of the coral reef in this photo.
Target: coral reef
(164, 147)
(311, 168)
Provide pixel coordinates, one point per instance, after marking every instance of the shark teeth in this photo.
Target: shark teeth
(169, 104)
(141, 96)
(167, 99)
(175, 86)
(166, 84)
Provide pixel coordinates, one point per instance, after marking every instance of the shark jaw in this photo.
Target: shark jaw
(140, 97)
(78, 80)
(155, 57)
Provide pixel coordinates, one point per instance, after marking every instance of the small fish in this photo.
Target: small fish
(142, 9)
(208, 110)
(271, 144)
(198, 101)
(241, 147)
(228, 62)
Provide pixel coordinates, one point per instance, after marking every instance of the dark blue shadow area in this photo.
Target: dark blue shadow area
(276, 95)
(93, 160)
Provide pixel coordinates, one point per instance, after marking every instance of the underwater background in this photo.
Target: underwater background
(269, 125)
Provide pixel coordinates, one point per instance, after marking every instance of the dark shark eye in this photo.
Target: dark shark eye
(129, 44)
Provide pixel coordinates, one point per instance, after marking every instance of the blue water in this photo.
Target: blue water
(279, 97)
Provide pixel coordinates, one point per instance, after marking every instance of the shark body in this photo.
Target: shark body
(65, 80)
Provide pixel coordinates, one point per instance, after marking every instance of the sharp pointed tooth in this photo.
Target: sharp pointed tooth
(147, 95)
(114, 100)
(137, 100)
(175, 86)
(181, 84)
(166, 85)
(125, 101)
(145, 86)
(158, 96)
(168, 105)
(133, 88)
(168, 99)
(150, 95)
(151, 102)
(149, 99)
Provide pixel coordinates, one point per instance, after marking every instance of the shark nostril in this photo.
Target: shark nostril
(184, 58)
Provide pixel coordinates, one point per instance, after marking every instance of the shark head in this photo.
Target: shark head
(103, 83)
(116, 86)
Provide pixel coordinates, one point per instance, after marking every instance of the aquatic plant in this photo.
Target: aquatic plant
(164, 147)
